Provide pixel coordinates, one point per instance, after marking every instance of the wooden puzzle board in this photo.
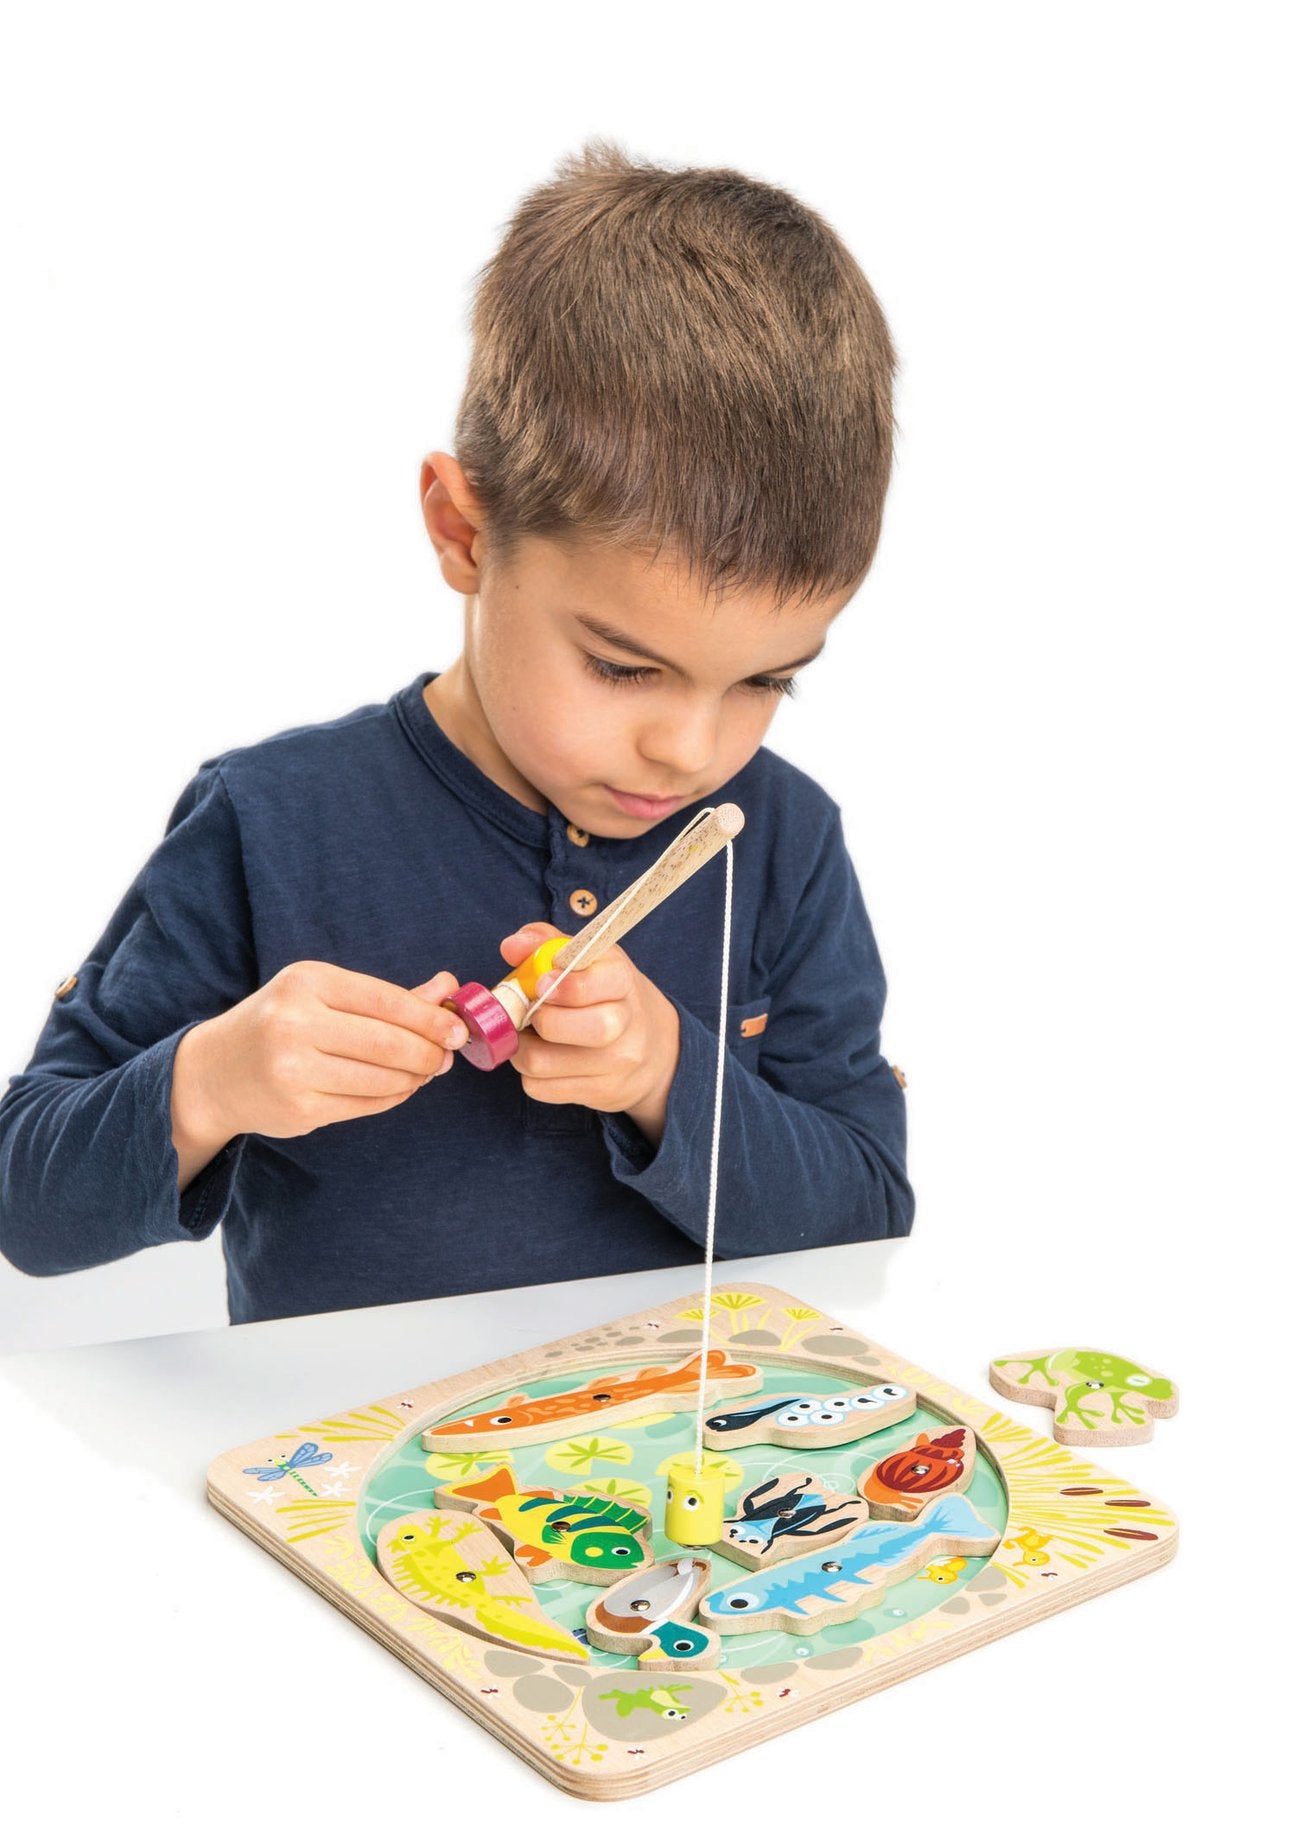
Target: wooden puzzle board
(610, 1729)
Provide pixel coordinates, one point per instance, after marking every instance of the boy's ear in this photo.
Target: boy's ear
(453, 519)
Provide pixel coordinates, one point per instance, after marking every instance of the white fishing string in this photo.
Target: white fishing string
(579, 960)
(715, 1150)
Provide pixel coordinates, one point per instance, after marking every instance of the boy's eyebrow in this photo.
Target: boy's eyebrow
(627, 643)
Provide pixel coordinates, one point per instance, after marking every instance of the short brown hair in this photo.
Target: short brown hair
(686, 359)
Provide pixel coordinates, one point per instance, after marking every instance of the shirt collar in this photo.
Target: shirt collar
(460, 774)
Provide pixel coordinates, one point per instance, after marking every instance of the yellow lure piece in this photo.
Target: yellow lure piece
(695, 1513)
(534, 967)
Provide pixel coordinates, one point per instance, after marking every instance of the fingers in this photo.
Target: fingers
(337, 1074)
(366, 1037)
(558, 1075)
(437, 989)
(591, 1026)
(605, 980)
(550, 1059)
(421, 1012)
(386, 1046)
(522, 944)
(575, 1092)
(332, 1109)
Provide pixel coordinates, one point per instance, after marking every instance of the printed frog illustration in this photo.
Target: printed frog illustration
(656, 1700)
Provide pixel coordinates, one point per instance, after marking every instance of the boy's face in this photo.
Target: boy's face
(556, 709)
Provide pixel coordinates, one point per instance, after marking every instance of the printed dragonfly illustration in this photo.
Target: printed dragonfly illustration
(306, 1454)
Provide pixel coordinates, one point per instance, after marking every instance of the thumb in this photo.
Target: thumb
(521, 945)
(437, 989)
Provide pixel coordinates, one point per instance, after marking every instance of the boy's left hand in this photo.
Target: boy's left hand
(607, 1038)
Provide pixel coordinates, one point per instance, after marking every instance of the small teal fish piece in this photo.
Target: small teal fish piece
(646, 1615)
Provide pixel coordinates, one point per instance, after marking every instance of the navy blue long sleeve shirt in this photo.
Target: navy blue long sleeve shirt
(372, 842)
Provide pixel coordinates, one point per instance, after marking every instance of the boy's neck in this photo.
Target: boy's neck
(453, 703)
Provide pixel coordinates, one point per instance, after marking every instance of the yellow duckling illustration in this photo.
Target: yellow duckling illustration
(944, 1573)
(1033, 1552)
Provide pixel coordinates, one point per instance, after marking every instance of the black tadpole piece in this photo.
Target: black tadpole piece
(734, 1422)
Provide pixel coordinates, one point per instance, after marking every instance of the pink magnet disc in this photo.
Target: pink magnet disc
(491, 1035)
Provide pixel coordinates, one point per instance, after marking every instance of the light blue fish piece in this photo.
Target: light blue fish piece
(872, 1559)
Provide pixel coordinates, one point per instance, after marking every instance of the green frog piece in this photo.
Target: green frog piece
(1121, 1394)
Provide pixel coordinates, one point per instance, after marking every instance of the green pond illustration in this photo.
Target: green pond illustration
(629, 1460)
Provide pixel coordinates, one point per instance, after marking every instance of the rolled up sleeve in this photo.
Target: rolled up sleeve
(88, 1170)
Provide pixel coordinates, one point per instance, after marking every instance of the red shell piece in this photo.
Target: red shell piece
(492, 1037)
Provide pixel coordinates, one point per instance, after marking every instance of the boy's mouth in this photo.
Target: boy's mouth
(644, 806)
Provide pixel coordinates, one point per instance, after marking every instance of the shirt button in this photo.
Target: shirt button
(584, 901)
(576, 835)
(899, 1074)
(69, 984)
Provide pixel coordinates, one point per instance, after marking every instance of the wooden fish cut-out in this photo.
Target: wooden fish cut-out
(898, 1486)
(556, 1535)
(838, 1583)
(810, 1421)
(791, 1513)
(525, 1419)
(452, 1566)
(648, 1616)
(1097, 1398)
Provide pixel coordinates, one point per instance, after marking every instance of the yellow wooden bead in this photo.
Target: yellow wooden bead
(534, 967)
(694, 1506)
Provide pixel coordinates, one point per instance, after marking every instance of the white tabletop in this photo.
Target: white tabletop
(166, 1665)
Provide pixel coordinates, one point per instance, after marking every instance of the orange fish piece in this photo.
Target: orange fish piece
(524, 1419)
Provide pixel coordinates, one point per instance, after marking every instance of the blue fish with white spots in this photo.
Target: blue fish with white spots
(837, 1584)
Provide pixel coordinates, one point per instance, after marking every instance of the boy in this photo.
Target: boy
(671, 460)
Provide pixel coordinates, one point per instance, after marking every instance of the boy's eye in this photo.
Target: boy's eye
(611, 673)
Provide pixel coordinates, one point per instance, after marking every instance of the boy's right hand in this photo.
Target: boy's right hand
(314, 1045)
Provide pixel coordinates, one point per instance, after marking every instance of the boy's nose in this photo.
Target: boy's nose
(685, 747)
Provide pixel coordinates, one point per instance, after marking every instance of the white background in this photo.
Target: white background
(239, 249)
